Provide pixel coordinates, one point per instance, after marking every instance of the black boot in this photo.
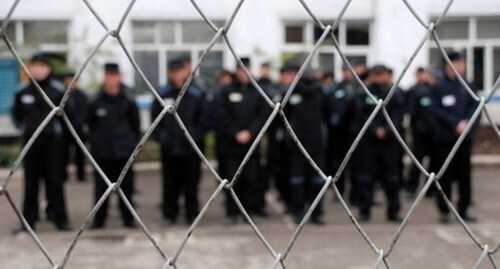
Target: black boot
(297, 202)
(317, 215)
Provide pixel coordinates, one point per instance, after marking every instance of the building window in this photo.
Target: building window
(167, 32)
(496, 62)
(318, 31)
(197, 32)
(10, 32)
(453, 30)
(144, 32)
(352, 37)
(478, 39)
(36, 34)
(488, 28)
(294, 34)
(149, 62)
(46, 32)
(357, 33)
(158, 42)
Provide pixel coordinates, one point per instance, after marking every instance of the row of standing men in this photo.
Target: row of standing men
(326, 119)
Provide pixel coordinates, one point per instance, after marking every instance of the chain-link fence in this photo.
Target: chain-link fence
(280, 257)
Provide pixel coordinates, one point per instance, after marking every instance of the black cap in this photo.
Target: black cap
(363, 75)
(41, 58)
(420, 69)
(379, 68)
(69, 74)
(453, 55)
(245, 61)
(176, 63)
(186, 58)
(328, 74)
(290, 68)
(111, 68)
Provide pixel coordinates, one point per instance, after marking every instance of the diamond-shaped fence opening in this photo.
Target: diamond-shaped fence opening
(276, 112)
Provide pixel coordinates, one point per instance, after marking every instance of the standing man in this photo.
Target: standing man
(242, 113)
(45, 158)
(452, 107)
(78, 101)
(379, 153)
(308, 112)
(422, 127)
(113, 121)
(342, 98)
(277, 158)
(181, 165)
(265, 81)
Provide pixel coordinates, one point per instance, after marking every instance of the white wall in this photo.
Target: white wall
(257, 30)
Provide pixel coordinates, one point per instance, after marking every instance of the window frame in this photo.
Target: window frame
(469, 44)
(19, 39)
(309, 42)
(178, 45)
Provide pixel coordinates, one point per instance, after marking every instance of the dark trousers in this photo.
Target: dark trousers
(423, 145)
(248, 188)
(379, 161)
(45, 161)
(305, 183)
(73, 150)
(112, 169)
(338, 147)
(181, 176)
(279, 170)
(458, 171)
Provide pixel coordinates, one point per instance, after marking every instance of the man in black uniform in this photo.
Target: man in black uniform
(265, 81)
(379, 152)
(113, 121)
(181, 165)
(308, 113)
(45, 159)
(452, 107)
(422, 126)
(78, 102)
(342, 98)
(242, 113)
(277, 157)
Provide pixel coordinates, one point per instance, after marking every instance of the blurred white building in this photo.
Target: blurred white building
(374, 31)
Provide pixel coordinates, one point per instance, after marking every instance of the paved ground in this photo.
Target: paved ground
(425, 243)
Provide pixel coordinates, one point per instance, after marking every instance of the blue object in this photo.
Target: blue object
(9, 79)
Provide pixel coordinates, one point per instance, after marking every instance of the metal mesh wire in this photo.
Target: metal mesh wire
(280, 257)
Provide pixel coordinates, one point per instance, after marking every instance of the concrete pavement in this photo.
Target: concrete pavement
(424, 244)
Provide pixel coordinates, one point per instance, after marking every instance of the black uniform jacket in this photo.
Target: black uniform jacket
(192, 111)
(114, 127)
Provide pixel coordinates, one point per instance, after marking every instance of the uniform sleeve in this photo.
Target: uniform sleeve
(201, 123)
(156, 109)
(412, 106)
(90, 116)
(17, 112)
(396, 111)
(134, 119)
(471, 104)
(327, 106)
